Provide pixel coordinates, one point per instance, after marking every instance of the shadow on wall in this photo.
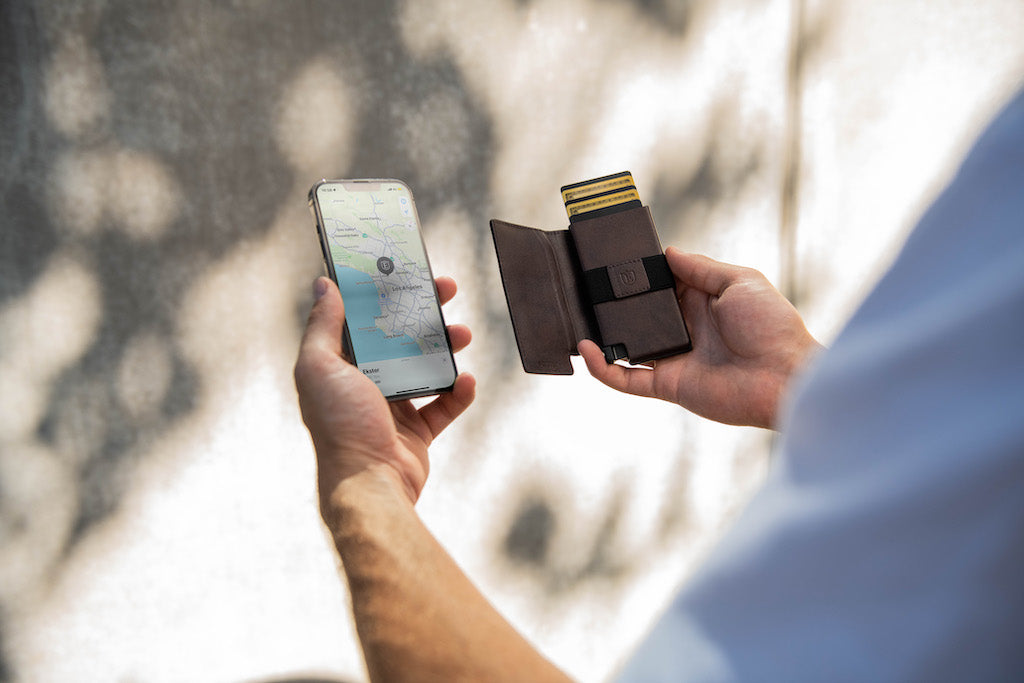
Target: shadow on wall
(142, 152)
(142, 147)
(535, 529)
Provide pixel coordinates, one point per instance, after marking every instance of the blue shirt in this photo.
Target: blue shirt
(887, 543)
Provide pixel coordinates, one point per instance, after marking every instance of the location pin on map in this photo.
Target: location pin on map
(385, 265)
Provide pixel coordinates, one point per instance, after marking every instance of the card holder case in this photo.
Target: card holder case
(605, 279)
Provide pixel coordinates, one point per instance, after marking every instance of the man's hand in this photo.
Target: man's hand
(747, 342)
(354, 428)
(418, 616)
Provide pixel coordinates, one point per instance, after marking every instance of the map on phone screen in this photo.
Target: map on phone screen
(382, 271)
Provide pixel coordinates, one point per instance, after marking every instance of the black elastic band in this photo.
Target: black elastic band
(599, 284)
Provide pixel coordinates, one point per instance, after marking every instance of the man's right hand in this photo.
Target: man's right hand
(747, 342)
(354, 429)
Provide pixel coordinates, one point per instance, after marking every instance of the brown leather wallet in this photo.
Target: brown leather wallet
(605, 279)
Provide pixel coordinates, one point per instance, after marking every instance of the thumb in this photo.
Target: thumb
(326, 318)
(701, 272)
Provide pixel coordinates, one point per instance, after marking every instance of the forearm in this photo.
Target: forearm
(418, 616)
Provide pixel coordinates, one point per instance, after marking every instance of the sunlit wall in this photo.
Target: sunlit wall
(157, 507)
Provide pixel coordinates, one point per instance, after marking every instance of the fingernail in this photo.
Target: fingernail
(319, 287)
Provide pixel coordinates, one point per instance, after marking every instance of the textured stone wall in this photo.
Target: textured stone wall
(157, 512)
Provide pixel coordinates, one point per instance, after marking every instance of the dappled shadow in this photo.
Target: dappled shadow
(535, 528)
(199, 104)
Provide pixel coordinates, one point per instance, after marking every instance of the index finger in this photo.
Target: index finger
(636, 381)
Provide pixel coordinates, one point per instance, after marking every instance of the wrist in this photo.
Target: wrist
(346, 499)
(798, 362)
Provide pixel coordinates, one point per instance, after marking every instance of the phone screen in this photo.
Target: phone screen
(374, 250)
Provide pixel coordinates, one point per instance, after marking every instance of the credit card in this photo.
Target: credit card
(589, 188)
(600, 196)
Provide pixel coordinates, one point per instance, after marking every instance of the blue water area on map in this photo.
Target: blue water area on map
(361, 308)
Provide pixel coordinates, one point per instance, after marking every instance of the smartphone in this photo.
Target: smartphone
(373, 249)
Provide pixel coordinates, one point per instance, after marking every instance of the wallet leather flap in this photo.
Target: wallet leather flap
(542, 281)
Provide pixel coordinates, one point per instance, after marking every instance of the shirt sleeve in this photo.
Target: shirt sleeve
(887, 542)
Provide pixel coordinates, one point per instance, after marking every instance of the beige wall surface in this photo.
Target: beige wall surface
(157, 507)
